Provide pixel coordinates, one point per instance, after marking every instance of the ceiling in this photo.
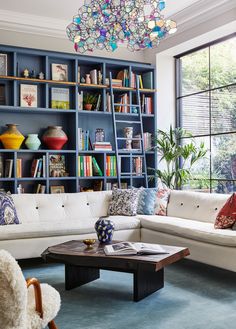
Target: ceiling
(66, 9)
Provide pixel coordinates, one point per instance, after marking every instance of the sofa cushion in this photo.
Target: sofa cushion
(124, 202)
(191, 229)
(146, 201)
(8, 213)
(52, 207)
(227, 214)
(48, 228)
(195, 205)
(99, 202)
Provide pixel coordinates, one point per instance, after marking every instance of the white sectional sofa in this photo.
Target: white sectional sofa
(51, 219)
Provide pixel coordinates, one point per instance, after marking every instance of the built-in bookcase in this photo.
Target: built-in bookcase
(37, 119)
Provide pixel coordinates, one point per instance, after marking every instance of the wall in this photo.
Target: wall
(29, 40)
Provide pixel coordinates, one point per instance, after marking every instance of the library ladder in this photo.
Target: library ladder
(132, 153)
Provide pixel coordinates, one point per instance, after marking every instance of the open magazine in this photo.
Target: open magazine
(133, 248)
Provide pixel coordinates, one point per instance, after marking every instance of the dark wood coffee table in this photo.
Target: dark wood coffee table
(82, 265)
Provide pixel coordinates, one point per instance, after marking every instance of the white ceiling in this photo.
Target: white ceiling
(66, 9)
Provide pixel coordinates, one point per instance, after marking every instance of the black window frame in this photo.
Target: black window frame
(179, 97)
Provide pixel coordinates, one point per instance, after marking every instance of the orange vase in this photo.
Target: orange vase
(12, 138)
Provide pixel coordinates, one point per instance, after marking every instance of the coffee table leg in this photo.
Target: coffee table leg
(146, 282)
(76, 276)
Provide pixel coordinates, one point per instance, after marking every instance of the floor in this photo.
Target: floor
(195, 296)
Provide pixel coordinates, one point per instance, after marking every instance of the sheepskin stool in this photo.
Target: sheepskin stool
(25, 304)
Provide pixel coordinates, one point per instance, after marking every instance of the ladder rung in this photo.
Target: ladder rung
(126, 121)
(133, 139)
(130, 105)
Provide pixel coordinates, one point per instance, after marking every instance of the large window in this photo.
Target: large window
(206, 106)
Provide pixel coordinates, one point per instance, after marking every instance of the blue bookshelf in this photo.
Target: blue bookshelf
(36, 120)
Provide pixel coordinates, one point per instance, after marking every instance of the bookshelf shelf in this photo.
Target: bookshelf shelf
(35, 120)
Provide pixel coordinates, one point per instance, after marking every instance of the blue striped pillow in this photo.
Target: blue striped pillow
(147, 201)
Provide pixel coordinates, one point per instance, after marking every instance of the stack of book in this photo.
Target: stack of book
(115, 82)
(102, 146)
(38, 167)
(88, 166)
(83, 140)
(111, 166)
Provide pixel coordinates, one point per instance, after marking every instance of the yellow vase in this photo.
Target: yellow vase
(12, 138)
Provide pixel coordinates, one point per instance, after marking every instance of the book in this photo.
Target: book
(147, 78)
(28, 95)
(8, 168)
(98, 104)
(60, 98)
(96, 169)
(133, 248)
(57, 166)
(1, 166)
(18, 168)
(80, 100)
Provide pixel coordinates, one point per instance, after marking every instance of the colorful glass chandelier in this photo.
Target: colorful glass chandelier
(104, 24)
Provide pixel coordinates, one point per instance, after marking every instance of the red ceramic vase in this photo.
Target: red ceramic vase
(54, 138)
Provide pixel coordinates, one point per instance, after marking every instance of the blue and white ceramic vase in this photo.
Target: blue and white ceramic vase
(104, 228)
(32, 142)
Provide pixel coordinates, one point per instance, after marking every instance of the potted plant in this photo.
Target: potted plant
(178, 157)
(89, 101)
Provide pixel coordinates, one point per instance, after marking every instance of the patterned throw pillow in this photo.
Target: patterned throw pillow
(226, 217)
(147, 201)
(124, 202)
(8, 213)
(162, 198)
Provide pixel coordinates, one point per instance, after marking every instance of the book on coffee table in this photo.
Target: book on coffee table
(131, 248)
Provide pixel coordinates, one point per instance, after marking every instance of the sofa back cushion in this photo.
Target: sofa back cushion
(195, 205)
(51, 207)
(99, 202)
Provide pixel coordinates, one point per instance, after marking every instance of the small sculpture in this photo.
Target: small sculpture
(41, 76)
(82, 80)
(33, 74)
(26, 73)
(88, 79)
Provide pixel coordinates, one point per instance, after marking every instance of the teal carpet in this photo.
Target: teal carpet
(195, 296)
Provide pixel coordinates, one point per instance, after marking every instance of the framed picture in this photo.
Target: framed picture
(60, 72)
(60, 98)
(57, 189)
(28, 95)
(3, 64)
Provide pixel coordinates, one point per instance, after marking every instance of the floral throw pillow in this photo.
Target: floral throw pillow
(8, 213)
(147, 201)
(226, 218)
(124, 202)
(162, 198)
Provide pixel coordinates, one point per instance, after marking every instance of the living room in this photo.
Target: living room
(117, 164)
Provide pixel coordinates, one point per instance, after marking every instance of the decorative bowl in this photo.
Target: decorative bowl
(89, 242)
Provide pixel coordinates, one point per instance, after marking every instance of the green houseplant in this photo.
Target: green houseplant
(89, 101)
(178, 157)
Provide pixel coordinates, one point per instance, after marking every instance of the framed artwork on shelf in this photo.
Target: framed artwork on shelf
(59, 72)
(60, 98)
(57, 189)
(3, 64)
(28, 95)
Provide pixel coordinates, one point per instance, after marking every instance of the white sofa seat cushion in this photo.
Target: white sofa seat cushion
(47, 229)
(199, 206)
(200, 231)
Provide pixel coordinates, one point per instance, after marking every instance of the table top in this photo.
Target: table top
(76, 252)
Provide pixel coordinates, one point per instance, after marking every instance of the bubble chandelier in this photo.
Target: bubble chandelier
(103, 24)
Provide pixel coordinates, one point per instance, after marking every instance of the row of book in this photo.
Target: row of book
(88, 166)
(145, 80)
(38, 167)
(83, 140)
(111, 166)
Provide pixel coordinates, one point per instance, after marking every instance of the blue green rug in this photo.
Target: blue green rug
(195, 296)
